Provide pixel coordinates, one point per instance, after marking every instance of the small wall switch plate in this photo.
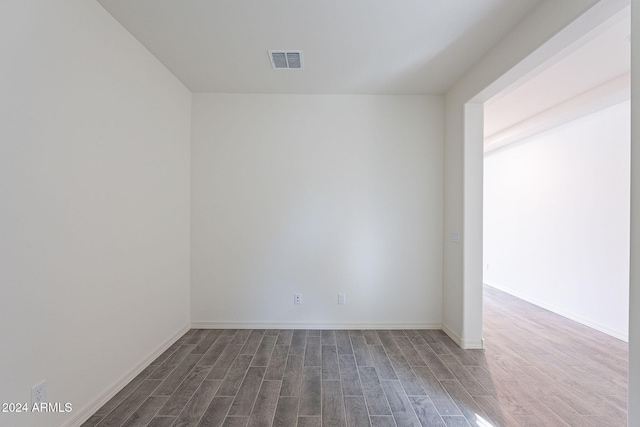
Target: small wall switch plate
(455, 236)
(341, 298)
(39, 393)
(297, 298)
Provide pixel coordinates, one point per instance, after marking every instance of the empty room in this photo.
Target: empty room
(556, 184)
(271, 213)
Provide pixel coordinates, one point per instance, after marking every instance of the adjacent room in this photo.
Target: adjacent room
(556, 183)
(556, 226)
(270, 213)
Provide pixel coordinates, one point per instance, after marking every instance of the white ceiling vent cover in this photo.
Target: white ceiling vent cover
(286, 59)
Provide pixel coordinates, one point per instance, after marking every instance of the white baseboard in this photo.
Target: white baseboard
(475, 344)
(464, 343)
(199, 324)
(571, 316)
(455, 337)
(85, 413)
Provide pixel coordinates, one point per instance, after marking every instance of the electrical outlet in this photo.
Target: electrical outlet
(297, 298)
(39, 393)
(341, 298)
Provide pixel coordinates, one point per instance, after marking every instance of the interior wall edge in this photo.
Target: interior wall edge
(600, 98)
(86, 412)
(634, 273)
(564, 313)
(463, 343)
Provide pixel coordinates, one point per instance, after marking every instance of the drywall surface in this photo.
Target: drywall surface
(317, 195)
(538, 37)
(94, 217)
(633, 417)
(556, 219)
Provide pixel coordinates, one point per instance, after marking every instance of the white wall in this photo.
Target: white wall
(316, 194)
(556, 219)
(634, 281)
(94, 216)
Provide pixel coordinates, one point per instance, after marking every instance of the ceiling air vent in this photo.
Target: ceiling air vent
(286, 59)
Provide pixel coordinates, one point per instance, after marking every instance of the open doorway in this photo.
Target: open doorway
(556, 225)
(556, 184)
(464, 172)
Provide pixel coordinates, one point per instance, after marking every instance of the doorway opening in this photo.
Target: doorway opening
(556, 208)
(556, 196)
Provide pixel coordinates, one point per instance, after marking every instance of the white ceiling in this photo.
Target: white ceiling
(350, 46)
(599, 58)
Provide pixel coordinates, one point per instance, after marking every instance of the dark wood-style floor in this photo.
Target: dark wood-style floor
(538, 369)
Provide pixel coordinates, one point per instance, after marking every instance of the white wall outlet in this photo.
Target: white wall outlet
(39, 393)
(341, 299)
(455, 236)
(486, 266)
(297, 298)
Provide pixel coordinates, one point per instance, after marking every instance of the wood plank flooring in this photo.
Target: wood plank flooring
(538, 369)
